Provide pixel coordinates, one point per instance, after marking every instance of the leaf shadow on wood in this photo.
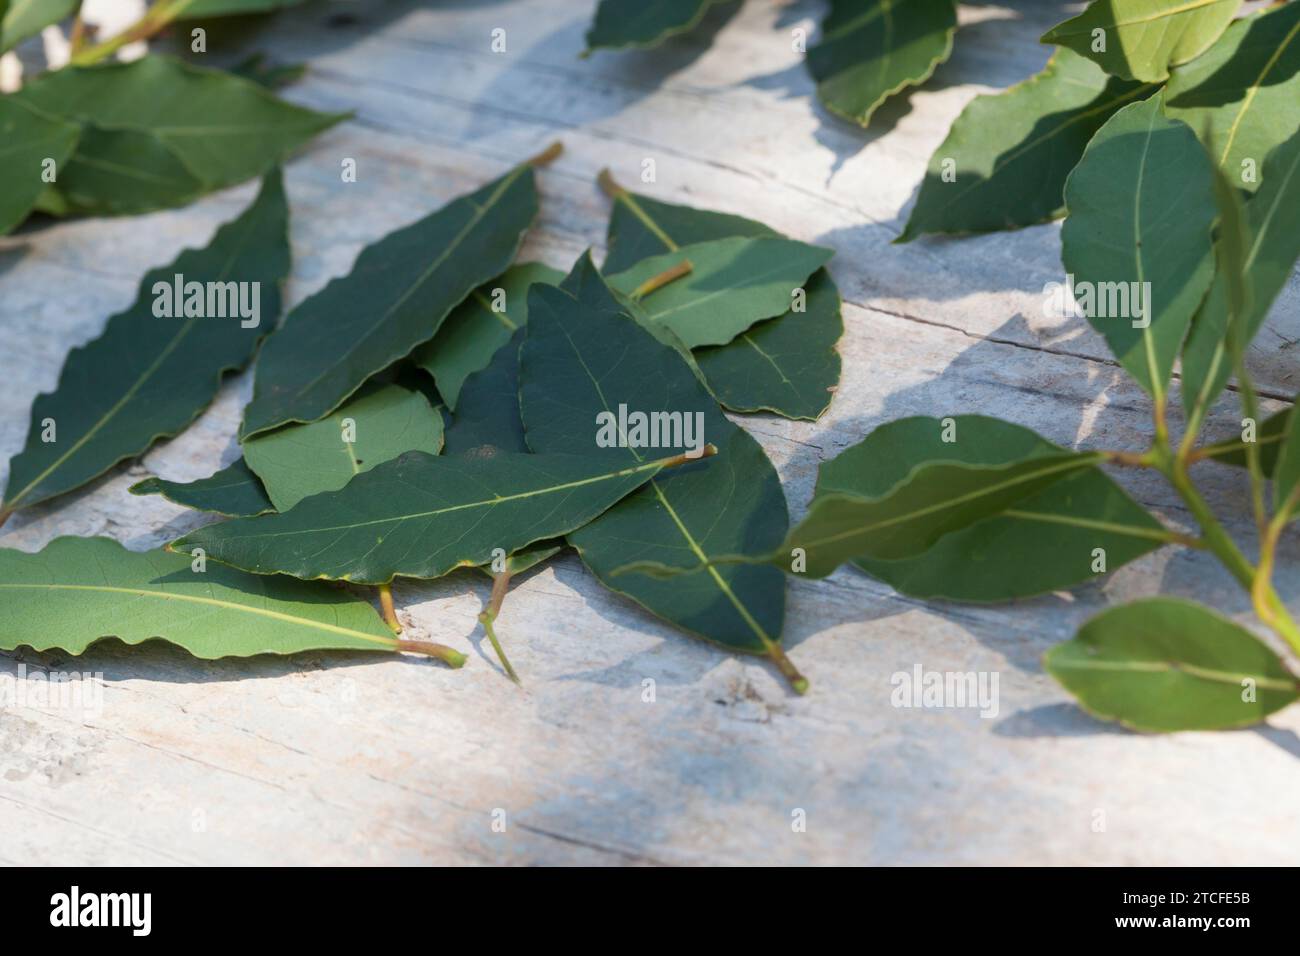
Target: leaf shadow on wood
(619, 79)
(970, 63)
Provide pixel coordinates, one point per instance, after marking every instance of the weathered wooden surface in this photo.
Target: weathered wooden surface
(338, 759)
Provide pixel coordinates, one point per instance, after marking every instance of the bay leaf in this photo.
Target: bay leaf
(234, 491)
(145, 377)
(621, 24)
(222, 128)
(1135, 233)
(26, 18)
(487, 417)
(1166, 664)
(78, 591)
(1045, 542)
(201, 9)
(733, 283)
(938, 495)
(28, 139)
(584, 356)
(479, 326)
(377, 425)
(1243, 95)
(1142, 39)
(122, 172)
(1005, 159)
(422, 515)
(872, 49)
(1232, 451)
(1271, 248)
(787, 365)
(396, 297)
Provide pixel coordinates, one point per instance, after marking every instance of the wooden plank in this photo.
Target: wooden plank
(328, 758)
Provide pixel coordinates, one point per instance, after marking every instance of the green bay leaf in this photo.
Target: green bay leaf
(26, 18)
(733, 283)
(787, 365)
(1136, 233)
(28, 138)
(222, 128)
(1165, 664)
(81, 590)
(1043, 543)
(487, 416)
(479, 326)
(377, 425)
(872, 49)
(1271, 248)
(421, 516)
(937, 496)
(620, 24)
(583, 356)
(234, 492)
(396, 297)
(123, 172)
(1006, 157)
(1142, 39)
(1243, 95)
(146, 377)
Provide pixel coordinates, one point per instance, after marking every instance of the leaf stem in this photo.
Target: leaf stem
(449, 656)
(5, 515)
(656, 282)
(547, 156)
(787, 668)
(386, 605)
(156, 18)
(487, 617)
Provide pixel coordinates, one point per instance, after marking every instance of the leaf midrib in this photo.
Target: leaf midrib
(212, 602)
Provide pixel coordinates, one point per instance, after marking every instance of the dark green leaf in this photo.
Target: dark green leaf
(1137, 233)
(28, 138)
(1165, 664)
(199, 9)
(376, 426)
(221, 128)
(1009, 153)
(1043, 543)
(872, 49)
(396, 297)
(1142, 39)
(583, 356)
(479, 326)
(123, 172)
(642, 23)
(1271, 245)
(487, 417)
(234, 491)
(733, 283)
(147, 377)
(422, 515)
(82, 590)
(922, 487)
(786, 365)
(1243, 95)
(1232, 451)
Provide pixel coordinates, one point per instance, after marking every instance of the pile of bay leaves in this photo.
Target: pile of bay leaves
(440, 407)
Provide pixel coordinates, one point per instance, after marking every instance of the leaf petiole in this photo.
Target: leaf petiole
(500, 585)
(386, 605)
